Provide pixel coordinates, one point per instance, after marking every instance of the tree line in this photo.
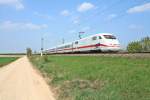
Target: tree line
(142, 45)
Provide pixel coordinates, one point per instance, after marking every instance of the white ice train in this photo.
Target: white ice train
(102, 42)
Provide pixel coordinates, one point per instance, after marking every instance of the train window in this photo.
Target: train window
(94, 38)
(76, 42)
(109, 37)
(100, 37)
(67, 46)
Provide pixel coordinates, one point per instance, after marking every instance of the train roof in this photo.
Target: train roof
(98, 34)
(68, 43)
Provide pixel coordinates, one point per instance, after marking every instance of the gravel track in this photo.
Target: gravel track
(139, 55)
(19, 81)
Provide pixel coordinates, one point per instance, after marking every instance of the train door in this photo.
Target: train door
(75, 46)
(72, 48)
(94, 42)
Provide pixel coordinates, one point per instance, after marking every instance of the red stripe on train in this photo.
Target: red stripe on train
(89, 46)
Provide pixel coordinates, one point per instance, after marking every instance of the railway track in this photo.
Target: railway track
(120, 54)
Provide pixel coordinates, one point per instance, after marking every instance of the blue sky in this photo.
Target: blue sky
(23, 22)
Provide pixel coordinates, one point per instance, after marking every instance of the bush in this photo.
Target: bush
(139, 46)
(45, 58)
(29, 52)
(145, 44)
(134, 47)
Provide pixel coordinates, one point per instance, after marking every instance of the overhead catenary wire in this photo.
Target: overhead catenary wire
(125, 13)
(104, 10)
(119, 16)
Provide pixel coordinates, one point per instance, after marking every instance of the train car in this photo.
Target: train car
(64, 48)
(51, 50)
(102, 42)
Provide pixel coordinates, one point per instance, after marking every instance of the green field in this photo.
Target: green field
(6, 60)
(97, 78)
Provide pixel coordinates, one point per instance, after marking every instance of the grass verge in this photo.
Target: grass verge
(6, 60)
(97, 78)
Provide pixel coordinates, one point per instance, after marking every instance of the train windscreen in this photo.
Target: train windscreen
(109, 37)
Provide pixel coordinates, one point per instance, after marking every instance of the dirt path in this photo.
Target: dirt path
(19, 81)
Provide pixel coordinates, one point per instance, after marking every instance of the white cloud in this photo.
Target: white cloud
(14, 3)
(85, 29)
(9, 26)
(135, 27)
(44, 16)
(140, 8)
(75, 19)
(65, 13)
(85, 7)
(72, 31)
(111, 16)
